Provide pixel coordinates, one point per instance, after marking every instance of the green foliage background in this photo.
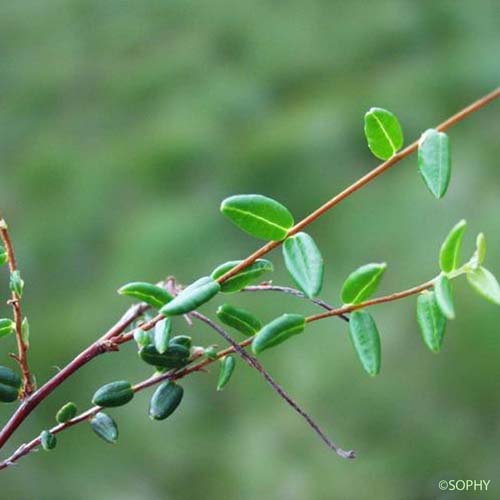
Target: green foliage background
(122, 126)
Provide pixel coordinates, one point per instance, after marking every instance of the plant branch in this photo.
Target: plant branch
(373, 174)
(15, 301)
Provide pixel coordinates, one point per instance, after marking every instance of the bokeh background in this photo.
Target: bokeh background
(124, 124)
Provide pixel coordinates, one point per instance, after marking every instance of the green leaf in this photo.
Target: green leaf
(362, 282)
(162, 332)
(449, 256)
(165, 400)
(479, 255)
(113, 394)
(277, 331)
(17, 283)
(485, 284)
(258, 215)
(10, 384)
(4, 256)
(251, 273)
(6, 326)
(153, 295)
(183, 340)
(227, 364)
(196, 294)
(444, 296)
(48, 440)
(211, 352)
(105, 427)
(383, 133)
(239, 319)
(304, 263)
(431, 320)
(67, 412)
(142, 338)
(176, 356)
(434, 161)
(366, 341)
(25, 332)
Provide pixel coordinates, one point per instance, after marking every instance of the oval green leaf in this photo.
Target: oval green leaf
(304, 263)
(165, 400)
(383, 133)
(362, 282)
(182, 340)
(431, 320)
(277, 331)
(239, 319)
(17, 283)
(444, 296)
(196, 294)
(176, 356)
(48, 440)
(6, 326)
(67, 412)
(161, 336)
(251, 273)
(153, 295)
(227, 365)
(434, 161)
(366, 341)
(105, 427)
(258, 215)
(485, 284)
(10, 384)
(113, 394)
(449, 255)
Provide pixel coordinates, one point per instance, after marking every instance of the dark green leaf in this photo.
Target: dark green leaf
(165, 400)
(449, 256)
(10, 384)
(277, 331)
(258, 215)
(67, 412)
(362, 282)
(183, 340)
(434, 161)
(17, 283)
(304, 263)
(227, 364)
(366, 341)
(239, 319)
(153, 295)
(105, 427)
(383, 133)
(444, 296)
(431, 320)
(113, 394)
(48, 440)
(251, 273)
(162, 332)
(4, 256)
(192, 297)
(485, 284)
(176, 356)
(6, 326)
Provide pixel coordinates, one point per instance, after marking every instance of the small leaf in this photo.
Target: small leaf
(165, 400)
(6, 326)
(176, 356)
(383, 133)
(4, 256)
(434, 161)
(251, 273)
(362, 282)
(479, 255)
(211, 352)
(227, 364)
(277, 331)
(10, 384)
(113, 394)
(258, 215)
(366, 341)
(67, 412)
(182, 340)
(25, 332)
(153, 295)
(239, 319)
(48, 440)
(304, 263)
(105, 427)
(485, 284)
(449, 256)
(142, 338)
(17, 283)
(431, 320)
(444, 296)
(196, 294)
(162, 332)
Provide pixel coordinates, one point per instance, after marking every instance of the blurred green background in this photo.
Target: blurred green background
(124, 124)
